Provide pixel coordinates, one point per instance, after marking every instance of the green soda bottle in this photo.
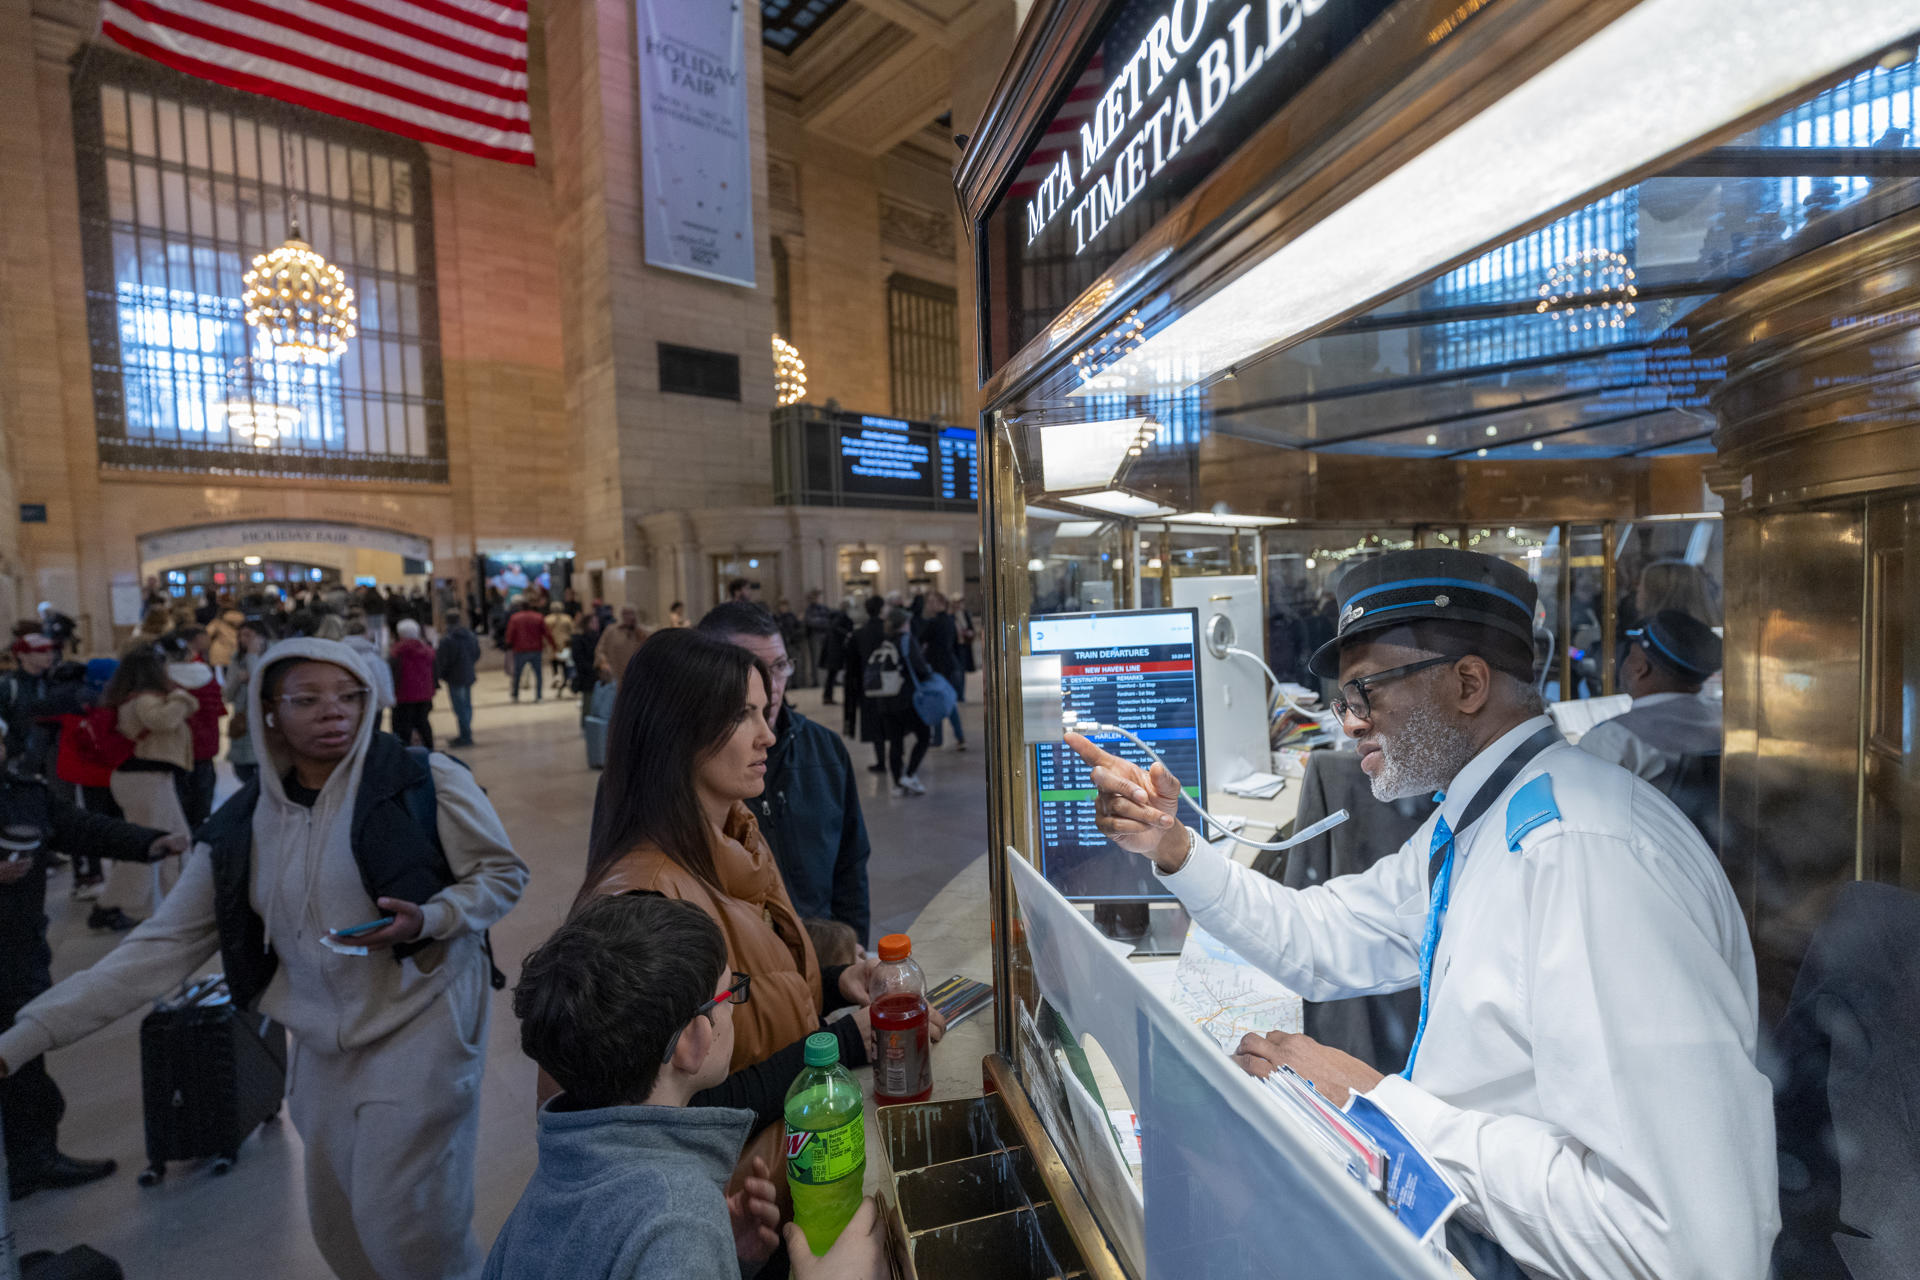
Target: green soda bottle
(826, 1144)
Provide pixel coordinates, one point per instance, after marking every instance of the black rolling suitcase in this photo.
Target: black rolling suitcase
(77, 1263)
(210, 1075)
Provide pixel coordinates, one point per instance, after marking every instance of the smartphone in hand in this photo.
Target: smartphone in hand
(368, 927)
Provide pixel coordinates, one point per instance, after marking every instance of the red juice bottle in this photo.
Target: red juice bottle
(902, 1061)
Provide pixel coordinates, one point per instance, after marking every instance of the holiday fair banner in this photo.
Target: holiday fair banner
(695, 148)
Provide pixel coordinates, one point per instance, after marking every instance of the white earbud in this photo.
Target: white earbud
(269, 719)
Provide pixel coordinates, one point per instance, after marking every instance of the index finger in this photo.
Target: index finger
(1093, 755)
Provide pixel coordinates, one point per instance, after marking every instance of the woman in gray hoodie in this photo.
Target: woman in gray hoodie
(388, 1028)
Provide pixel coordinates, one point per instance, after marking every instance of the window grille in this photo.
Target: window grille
(923, 342)
(181, 183)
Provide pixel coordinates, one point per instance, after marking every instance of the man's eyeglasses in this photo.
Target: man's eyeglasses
(353, 700)
(736, 993)
(1353, 699)
(782, 669)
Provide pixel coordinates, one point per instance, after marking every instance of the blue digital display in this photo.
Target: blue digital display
(885, 460)
(959, 464)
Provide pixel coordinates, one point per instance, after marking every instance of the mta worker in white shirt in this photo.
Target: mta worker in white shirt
(1584, 1067)
(1668, 658)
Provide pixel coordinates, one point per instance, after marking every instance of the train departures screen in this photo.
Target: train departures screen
(1136, 669)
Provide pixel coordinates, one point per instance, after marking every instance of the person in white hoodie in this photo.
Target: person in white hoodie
(342, 826)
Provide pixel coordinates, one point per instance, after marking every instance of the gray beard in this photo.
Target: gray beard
(1422, 756)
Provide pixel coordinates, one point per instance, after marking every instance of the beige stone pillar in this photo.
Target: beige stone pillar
(645, 451)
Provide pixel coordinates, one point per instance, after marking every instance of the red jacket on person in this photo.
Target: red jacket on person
(412, 671)
(204, 724)
(527, 632)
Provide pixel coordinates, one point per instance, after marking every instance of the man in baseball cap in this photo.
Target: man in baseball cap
(24, 700)
(1588, 1010)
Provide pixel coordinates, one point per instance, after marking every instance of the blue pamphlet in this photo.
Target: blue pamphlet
(1416, 1192)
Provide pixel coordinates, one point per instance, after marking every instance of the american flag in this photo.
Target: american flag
(451, 72)
(1062, 136)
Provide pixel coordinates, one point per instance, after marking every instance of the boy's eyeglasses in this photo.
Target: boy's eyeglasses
(736, 993)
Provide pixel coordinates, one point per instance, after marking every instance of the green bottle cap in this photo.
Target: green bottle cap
(823, 1049)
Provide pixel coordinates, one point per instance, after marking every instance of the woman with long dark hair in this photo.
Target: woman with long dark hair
(686, 748)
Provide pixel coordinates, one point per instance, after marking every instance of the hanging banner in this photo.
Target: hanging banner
(696, 161)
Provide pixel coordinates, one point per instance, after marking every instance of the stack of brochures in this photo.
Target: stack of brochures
(1345, 1142)
(960, 998)
(1257, 786)
(1375, 1152)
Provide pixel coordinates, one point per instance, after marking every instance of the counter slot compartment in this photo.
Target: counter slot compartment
(1026, 1244)
(978, 1187)
(919, 1134)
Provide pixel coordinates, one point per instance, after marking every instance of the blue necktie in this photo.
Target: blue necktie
(1440, 880)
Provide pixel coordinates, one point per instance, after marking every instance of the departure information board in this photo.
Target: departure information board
(1138, 670)
(959, 473)
(884, 456)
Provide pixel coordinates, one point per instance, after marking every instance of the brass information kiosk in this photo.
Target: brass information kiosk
(1628, 293)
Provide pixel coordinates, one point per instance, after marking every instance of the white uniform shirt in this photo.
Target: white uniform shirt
(1649, 738)
(1587, 1075)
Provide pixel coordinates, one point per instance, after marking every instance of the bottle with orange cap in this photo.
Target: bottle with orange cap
(902, 1061)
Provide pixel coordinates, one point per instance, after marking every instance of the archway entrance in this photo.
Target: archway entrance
(241, 558)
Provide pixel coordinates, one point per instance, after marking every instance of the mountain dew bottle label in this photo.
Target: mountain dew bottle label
(816, 1157)
(826, 1144)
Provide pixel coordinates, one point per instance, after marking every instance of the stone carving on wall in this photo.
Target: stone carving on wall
(783, 184)
(913, 227)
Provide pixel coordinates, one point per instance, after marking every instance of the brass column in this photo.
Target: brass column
(1565, 638)
(1609, 587)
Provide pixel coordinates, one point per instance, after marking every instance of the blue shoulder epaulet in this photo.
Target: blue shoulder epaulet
(1532, 806)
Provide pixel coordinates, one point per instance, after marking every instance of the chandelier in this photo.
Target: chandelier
(789, 373)
(1592, 289)
(300, 303)
(262, 404)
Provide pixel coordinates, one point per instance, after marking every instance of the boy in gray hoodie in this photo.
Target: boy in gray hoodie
(629, 1007)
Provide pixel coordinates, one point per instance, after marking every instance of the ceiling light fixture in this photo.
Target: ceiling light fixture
(1665, 74)
(299, 302)
(1118, 502)
(1223, 520)
(789, 373)
(1592, 289)
(1088, 455)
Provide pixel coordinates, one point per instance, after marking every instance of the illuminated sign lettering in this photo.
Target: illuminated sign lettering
(1163, 96)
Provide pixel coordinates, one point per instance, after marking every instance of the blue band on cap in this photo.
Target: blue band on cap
(1646, 633)
(1461, 583)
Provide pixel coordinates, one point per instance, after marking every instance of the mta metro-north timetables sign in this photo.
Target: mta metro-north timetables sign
(1138, 670)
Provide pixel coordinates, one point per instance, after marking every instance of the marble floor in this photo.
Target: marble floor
(251, 1223)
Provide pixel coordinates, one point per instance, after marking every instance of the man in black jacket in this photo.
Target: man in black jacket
(453, 665)
(810, 809)
(34, 823)
(860, 710)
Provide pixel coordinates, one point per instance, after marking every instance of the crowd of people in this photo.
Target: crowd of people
(727, 839)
